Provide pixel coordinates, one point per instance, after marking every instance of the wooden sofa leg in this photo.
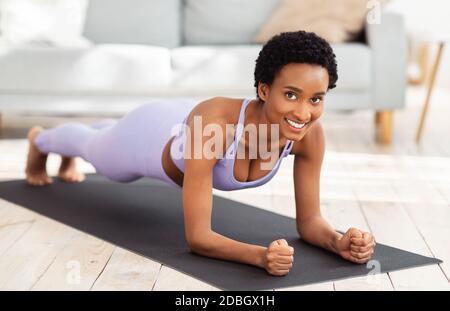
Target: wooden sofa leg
(383, 126)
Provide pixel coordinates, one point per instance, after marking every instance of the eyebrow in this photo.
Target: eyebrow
(301, 91)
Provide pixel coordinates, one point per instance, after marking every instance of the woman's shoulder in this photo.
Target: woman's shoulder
(217, 110)
(312, 145)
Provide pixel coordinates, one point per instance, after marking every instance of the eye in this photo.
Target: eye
(316, 100)
(287, 93)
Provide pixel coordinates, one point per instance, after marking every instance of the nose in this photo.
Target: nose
(303, 113)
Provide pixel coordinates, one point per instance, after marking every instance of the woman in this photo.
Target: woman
(294, 71)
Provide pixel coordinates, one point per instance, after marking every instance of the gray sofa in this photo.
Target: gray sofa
(149, 49)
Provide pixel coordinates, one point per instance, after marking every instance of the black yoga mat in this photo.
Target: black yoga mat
(146, 217)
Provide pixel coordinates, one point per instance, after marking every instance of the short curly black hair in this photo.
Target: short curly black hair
(294, 47)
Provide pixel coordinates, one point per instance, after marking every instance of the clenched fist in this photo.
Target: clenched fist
(356, 246)
(279, 258)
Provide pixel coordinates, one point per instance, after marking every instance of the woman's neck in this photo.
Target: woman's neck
(259, 113)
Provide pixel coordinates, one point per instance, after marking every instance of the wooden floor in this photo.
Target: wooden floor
(399, 193)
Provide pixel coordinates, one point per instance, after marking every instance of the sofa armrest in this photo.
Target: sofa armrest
(388, 43)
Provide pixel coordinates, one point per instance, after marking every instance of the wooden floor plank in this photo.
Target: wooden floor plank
(391, 225)
(76, 265)
(11, 214)
(432, 222)
(27, 260)
(10, 234)
(171, 279)
(127, 271)
(14, 222)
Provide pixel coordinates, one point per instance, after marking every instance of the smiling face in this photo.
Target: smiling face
(296, 97)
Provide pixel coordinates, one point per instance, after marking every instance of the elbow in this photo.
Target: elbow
(194, 245)
(299, 231)
(300, 228)
(198, 244)
(305, 225)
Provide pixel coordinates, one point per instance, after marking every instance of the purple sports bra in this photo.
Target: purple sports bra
(223, 176)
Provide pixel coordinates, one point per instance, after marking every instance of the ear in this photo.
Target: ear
(263, 91)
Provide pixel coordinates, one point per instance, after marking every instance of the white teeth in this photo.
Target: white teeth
(295, 124)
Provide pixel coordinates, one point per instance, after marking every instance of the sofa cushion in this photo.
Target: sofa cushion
(104, 68)
(230, 69)
(334, 23)
(216, 70)
(224, 21)
(354, 61)
(152, 22)
(138, 69)
(21, 22)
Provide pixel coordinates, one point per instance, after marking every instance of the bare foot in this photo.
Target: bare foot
(68, 171)
(36, 173)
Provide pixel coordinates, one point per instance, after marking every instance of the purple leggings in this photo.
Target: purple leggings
(122, 150)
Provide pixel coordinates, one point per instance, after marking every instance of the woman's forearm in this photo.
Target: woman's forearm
(317, 231)
(218, 246)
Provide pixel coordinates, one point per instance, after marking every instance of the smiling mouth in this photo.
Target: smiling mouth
(295, 125)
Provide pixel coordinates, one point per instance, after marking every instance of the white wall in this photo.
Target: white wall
(426, 19)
